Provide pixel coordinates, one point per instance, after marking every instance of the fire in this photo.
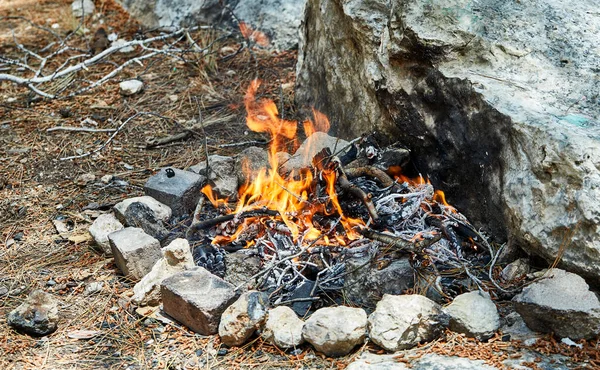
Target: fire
(290, 195)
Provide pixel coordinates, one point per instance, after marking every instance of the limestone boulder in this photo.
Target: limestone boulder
(335, 331)
(240, 320)
(283, 328)
(474, 314)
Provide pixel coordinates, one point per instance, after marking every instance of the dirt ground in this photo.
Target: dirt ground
(37, 188)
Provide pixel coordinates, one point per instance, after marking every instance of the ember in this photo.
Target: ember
(306, 223)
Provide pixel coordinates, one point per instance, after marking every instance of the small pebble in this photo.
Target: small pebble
(222, 352)
(50, 283)
(199, 352)
(18, 236)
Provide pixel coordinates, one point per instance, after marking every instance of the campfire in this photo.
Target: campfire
(306, 222)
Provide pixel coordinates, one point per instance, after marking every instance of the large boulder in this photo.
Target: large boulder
(497, 101)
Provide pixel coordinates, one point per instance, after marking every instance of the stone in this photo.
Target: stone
(93, 288)
(130, 87)
(180, 192)
(249, 162)
(82, 7)
(161, 211)
(140, 215)
(223, 179)
(123, 49)
(84, 179)
(135, 252)
(474, 315)
(365, 284)
(433, 361)
(313, 144)
(102, 226)
(283, 328)
(335, 331)
(176, 257)
(560, 303)
(485, 83)
(240, 266)
(240, 320)
(37, 315)
(515, 270)
(515, 327)
(197, 299)
(402, 322)
(371, 361)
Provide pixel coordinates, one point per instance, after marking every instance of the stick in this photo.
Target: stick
(345, 184)
(217, 220)
(154, 142)
(80, 129)
(395, 241)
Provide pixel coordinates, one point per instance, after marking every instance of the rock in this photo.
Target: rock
(560, 303)
(515, 327)
(82, 7)
(131, 87)
(84, 179)
(371, 361)
(240, 320)
(135, 252)
(240, 266)
(283, 328)
(335, 331)
(249, 162)
(93, 288)
(106, 179)
(223, 179)
(196, 298)
(176, 257)
(310, 147)
(180, 191)
(402, 322)
(365, 285)
(102, 226)
(161, 211)
(474, 315)
(515, 270)
(433, 361)
(486, 85)
(123, 49)
(140, 215)
(37, 315)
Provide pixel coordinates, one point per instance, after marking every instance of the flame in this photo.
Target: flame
(290, 195)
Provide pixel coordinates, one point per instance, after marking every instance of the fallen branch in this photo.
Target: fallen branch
(80, 129)
(346, 185)
(398, 242)
(217, 220)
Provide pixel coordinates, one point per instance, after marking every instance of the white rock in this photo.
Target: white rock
(93, 288)
(335, 331)
(240, 320)
(124, 49)
(131, 87)
(176, 257)
(161, 211)
(135, 252)
(82, 7)
(283, 328)
(401, 322)
(371, 361)
(102, 226)
(474, 315)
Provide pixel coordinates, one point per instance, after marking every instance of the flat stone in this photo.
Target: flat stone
(176, 257)
(135, 252)
(197, 299)
(310, 147)
(102, 226)
(222, 179)
(474, 315)
(240, 320)
(515, 270)
(240, 266)
(37, 315)
(283, 328)
(335, 331)
(560, 303)
(131, 87)
(432, 361)
(371, 361)
(161, 211)
(402, 322)
(180, 192)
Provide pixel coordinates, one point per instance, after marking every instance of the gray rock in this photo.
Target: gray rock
(432, 361)
(131, 87)
(483, 82)
(365, 285)
(313, 144)
(93, 288)
(180, 192)
(82, 7)
(560, 303)
(197, 299)
(135, 252)
(402, 322)
(474, 315)
(161, 211)
(240, 320)
(84, 179)
(371, 361)
(515, 270)
(102, 226)
(240, 266)
(140, 215)
(335, 331)
(176, 257)
(223, 179)
(37, 315)
(517, 329)
(249, 162)
(283, 328)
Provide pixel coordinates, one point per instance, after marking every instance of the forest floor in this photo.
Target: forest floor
(37, 188)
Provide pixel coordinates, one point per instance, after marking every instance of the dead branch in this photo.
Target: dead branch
(80, 129)
(384, 179)
(217, 220)
(346, 185)
(398, 242)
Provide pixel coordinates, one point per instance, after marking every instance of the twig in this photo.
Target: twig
(217, 220)
(80, 129)
(345, 184)
(244, 143)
